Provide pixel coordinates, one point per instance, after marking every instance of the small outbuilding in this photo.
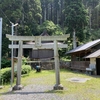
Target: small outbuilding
(94, 62)
(86, 57)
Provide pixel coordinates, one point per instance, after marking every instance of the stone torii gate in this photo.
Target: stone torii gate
(38, 45)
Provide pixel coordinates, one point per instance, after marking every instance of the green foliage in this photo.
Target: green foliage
(76, 17)
(6, 73)
(51, 28)
(96, 17)
(5, 63)
(26, 13)
(62, 52)
(30, 13)
(24, 61)
(5, 49)
(79, 91)
(58, 30)
(91, 3)
(95, 34)
(26, 69)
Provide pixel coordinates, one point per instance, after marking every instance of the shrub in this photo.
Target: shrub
(5, 63)
(6, 73)
(24, 60)
(26, 69)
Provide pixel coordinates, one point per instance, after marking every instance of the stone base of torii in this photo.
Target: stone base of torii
(38, 45)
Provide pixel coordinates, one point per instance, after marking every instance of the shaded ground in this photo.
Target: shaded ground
(41, 88)
(40, 92)
(32, 92)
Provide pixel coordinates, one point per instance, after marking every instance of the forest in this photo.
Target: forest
(56, 17)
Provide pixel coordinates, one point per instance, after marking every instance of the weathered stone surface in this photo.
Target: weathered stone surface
(17, 87)
(58, 87)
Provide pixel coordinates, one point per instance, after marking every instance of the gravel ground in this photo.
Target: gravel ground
(42, 92)
(32, 92)
(39, 92)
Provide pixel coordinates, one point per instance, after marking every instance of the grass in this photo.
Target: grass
(89, 90)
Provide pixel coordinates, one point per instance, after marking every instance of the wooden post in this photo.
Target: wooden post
(57, 86)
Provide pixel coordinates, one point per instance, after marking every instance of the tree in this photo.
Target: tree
(9, 11)
(26, 13)
(46, 9)
(91, 3)
(50, 28)
(96, 17)
(53, 10)
(31, 15)
(76, 18)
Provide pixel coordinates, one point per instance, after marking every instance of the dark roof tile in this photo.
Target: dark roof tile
(84, 46)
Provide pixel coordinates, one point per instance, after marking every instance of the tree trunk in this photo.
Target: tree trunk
(51, 12)
(74, 39)
(44, 13)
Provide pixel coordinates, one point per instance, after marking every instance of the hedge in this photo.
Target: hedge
(6, 73)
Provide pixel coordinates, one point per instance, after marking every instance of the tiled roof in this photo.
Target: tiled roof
(93, 55)
(84, 46)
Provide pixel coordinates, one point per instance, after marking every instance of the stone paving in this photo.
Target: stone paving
(78, 79)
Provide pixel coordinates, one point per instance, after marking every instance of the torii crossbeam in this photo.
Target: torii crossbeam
(38, 45)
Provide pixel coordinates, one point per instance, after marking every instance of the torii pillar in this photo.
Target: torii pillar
(57, 86)
(18, 85)
(38, 45)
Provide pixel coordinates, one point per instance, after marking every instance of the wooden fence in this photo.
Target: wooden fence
(79, 65)
(75, 65)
